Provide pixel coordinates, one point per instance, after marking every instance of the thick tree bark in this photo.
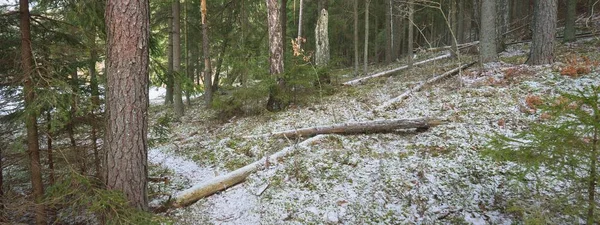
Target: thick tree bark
(409, 44)
(390, 103)
(488, 32)
(33, 148)
(275, 102)
(208, 90)
(366, 45)
(126, 158)
(177, 89)
(569, 34)
(170, 79)
(356, 38)
(389, 72)
(544, 32)
(209, 187)
(367, 127)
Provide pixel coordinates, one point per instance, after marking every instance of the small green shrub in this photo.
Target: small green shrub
(77, 197)
(564, 149)
(160, 130)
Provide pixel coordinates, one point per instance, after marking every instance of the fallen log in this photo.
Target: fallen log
(377, 126)
(459, 46)
(219, 183)
(388, 72)
(406, 94)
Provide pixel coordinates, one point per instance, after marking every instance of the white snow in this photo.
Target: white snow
(437, 176)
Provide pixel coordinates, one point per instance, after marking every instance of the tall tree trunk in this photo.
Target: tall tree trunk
(283, 18)
(460, 30)
(177, 89)
(170, 79)
(488, 51)
(570, 20)
(187, 52)
(126, 158)
(356, 38)
(409, 42)
(502, 23)
(49, 143)
(208, 90)
(388, 32)
(544, 32)
(453, 15)
(275, 103)
(33, 147)
(224, 46)
(366, 52)
(299, 39)
(476, 18)
(322, 39)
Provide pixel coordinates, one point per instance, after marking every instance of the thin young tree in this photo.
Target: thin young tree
(33, 148)
(409, 44)
(569, 33)
(126, 155)
(366, 52)
(208, 90)
(487, 30)
(356, 38)
(544, 32)
(170, 80)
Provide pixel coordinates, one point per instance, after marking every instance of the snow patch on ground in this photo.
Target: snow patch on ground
(437, 176)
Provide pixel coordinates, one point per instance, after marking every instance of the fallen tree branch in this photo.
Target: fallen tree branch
(459, 46)
(387, 72)
(216, 184)
(376, 126)
(390, 103)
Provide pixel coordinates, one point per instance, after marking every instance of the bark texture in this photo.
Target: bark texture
(322, 39)
(33, 146)
(275, 56)
(208, 90)
(126, 158)
(488, 32)
(177, 89)
(209, 187)
(170, 80)
(366, 127)
(544, 31)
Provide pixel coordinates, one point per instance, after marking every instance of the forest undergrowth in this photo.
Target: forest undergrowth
(405, 177)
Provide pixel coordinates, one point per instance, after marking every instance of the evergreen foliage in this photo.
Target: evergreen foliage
(564, 148)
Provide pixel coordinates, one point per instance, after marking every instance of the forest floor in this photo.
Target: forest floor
(406, 177)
